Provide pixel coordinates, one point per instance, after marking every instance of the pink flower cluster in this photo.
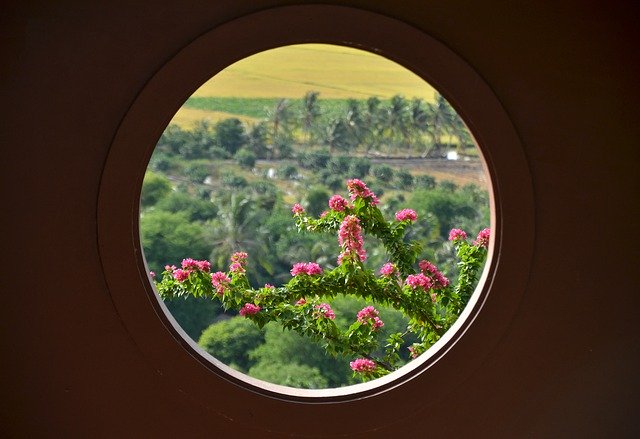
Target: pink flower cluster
(249, 309)
(419, 281)
(181, 275)
(369, 315)
(350, 238)
(238, 262)
(357, 188)
(220, 281)
(413, 352)
(406, 214)
(388, 269)
(297, 209)
(301, 302)
(192, 264)
(308, 268)
(457, 235)
(188, 266)
(338, 203)
(429, 269)
(483, 238)
(363, 365)
(324, 310)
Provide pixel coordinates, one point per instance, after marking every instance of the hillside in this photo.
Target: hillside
(336, 72)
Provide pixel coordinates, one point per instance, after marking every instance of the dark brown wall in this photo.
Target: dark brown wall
(565, 73)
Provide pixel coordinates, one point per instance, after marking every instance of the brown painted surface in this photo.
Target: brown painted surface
(563, 365)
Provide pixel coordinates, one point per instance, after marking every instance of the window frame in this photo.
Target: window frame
(186, 367)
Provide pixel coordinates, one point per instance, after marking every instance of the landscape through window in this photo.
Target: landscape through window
(323, 190)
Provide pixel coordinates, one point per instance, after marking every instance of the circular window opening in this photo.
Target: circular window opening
(315, 216)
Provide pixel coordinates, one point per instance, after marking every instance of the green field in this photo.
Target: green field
(336, 72)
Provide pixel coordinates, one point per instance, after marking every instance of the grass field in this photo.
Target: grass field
(336, 72)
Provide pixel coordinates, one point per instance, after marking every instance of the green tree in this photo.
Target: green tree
(194, 314)
(230, 135)
(196, 171)
(154, 188)
(383, 172)
(168, 237)
(196, 209)
(398, 122)
(238, 227)
(282, 126)
(288, 347)
(257, 140)
(231, 341)
(316, 200)
(296, 375)
(403, 179)
(246, 159)
(310, 114)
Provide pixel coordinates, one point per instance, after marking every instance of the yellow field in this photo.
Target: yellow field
(187, 117)
(334, 71)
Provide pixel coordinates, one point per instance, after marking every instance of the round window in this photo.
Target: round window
(315, 216)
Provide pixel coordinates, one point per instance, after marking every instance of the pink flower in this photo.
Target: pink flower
(350, 239)
(313, 269)
(413, 352)
(363, 365)
(388, 269)
(204, 266)
(426, 266)
(297, 209)
(240, 257)
(299, 268)
(338, 203)
(457, 235)
(301, 302)
(269, 286)
(419, 281)
(309, 268)
(439, 280)
(193, 265)
(169, 267)
(324, 310)
(220, 280)
(369, 315)
(249, 309)
(323, 214)
(152, 274)
(180, 275)
(358, 189)
(483, 238)
(406, 214)
(236, 268)
(189, 264)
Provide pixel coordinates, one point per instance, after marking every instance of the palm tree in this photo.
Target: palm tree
(281, 118)
(398, 121)
(310, 114)
(238, 227)
(419, 120)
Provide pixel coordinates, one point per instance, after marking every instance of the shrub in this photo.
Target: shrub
(384, 173)
(246, 159)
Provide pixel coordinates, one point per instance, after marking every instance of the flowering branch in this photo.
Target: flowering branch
(424, 294)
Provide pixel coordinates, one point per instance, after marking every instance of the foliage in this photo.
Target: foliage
(246, 159)
(230, 135)
(423, 294)
(169, 236)
(231, 340)
(154, 188)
